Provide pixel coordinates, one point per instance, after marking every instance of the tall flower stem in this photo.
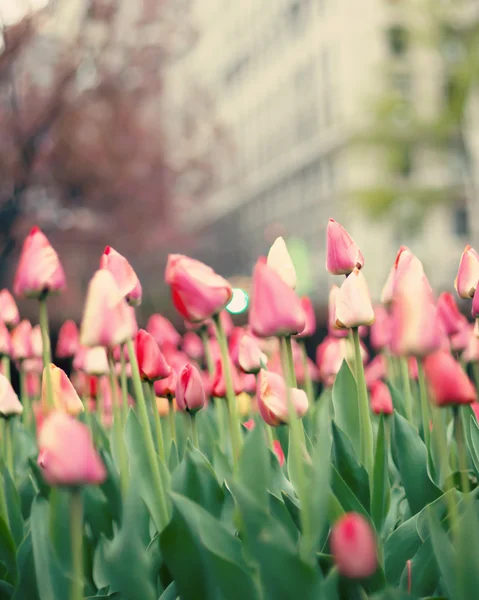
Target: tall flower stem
(308, 383)
(365, 428)
(461, 449)
(76, 529)
(124, 386)
(194, 430)
(171, 420)
(156, 417)
(406, 382)
(148, 438)
(234, 424)
(218, 402)
(440, 437)
(9, 447)
(47, 356)
(117, 425)
(424, 404)
(24, 398)
(6, 366)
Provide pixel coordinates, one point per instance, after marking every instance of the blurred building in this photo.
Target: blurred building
(292, 81)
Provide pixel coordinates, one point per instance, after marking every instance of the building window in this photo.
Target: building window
(461, 219)
(397, 40)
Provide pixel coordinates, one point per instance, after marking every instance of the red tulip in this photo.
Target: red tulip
(380, 329)
(166, 387)
(192, 345)
(250, 357)
(5, 340)
(273, 400)
(310, 318)
(163, 331)
(190, 394)
(198, 292)
(219, 384)
(124, 274)
(21, 342)
(353, 545)
(279, 452)
(68, 340)
(151, 362)
(250, 424)
(468, 273)
(275, 308)
(342, 252)
(280, 261)
(353, 302)
(39, 270)
(333, 329)
(448, 383)
(107, 318)
(8, 309)
(67, 455)
(65, 397)
(448, 313)
(381, 401)
(9, 403)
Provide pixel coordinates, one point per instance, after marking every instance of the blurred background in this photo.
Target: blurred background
(210, 127)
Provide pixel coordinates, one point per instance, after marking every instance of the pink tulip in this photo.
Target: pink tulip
(93, 361)
(380, 329)
(413, 368)
(342, 253)
(460, 340)
(124, 274)
(376, 369)
(329, 358)
(234, 342)
(65, 397)
(275, 309)
(166, 387)
(406, 264)
(67, 455)
(475, 305)
(471, 353)
(198, 292)
(250, 357)
(107, 318)
(273, 400)
(5, 340)
(32, 365)
(68, 340)
(36, 342)
(468, 273)
(310, 318)
(448, 313)
(32, 384)
(301, 374)
(219, 384)
(333, 329)
(21, 342)
(414, 323)
(448, 383)
(9, 403)
(279, 452)
(8, 309)
(163, 331)
(190, 394)
(39, 270)
(151, 362)
(353, 302)
(250, 424)
(192, 345)
(381, 401)
(249, 383)
(280, 261)
(353, 545)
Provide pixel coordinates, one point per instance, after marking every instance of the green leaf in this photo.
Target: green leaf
(170, 593)
(195, 479)
(346, 497)
(398, 400)
(52, 580)
(254, 464)
(6, 590)
(400, 546)
(14, 508)
(443, 551)
(473, 442)
(411, 459)
(111, 486)
(173, 457)
(391, 594)
(439, 509)
(329, 589)
(281, 513)
(203, 557)
(352, 472)
(424, 571)
(467, 553)
(381, 487)
(97, 512)
(8, 552)
(221, 464)
(345, 403)
(27, 582)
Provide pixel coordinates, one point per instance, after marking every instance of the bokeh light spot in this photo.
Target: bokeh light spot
(239, 302)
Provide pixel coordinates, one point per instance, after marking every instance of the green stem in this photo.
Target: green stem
(117, 426)
(76, 528)
(441, 438)
(461, 449)
(24, 398)
(218, 402)
(6, 366)
(124, 386)
(308, 383)
(365, 428)
(47, 357)
(424, 404)
(406, 388)
(234, 424)
(148, 439)
(156, 417)
(194, 431)
(269, 435)
(9, 448)
(171, 420)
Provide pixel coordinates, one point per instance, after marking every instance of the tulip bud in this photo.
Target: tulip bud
(163, 331)
(125, 277)
(219, 383)
(192, 345)
(475, 305)
(353, 302)
(468, 273)
(380, 329)
(190, 394)
(21, 342)
(67, 455)
(250, 357)
(448, 383)
(460, 340)
(353, 545)
(65, 397)
(8, 309)
(449, 314)
(5, 340)
(471, 353)
(249, 383)
(32, 381)
(381, 401)
(310, 318)
(280, 261)
(329, 358)
(36, 341)
(387, 293)
(275, 309)
(9, 403)
(342, 252)
(39, 270)
(68, 340)
(151, 362)
(333, 329)
(166, 387)
(107, 318)
(93, 361)
(32, 365)
(273, 399)
(198, 292)
(405, 265)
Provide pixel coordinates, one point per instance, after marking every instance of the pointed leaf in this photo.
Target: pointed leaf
(345, 403)
(381, 487)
